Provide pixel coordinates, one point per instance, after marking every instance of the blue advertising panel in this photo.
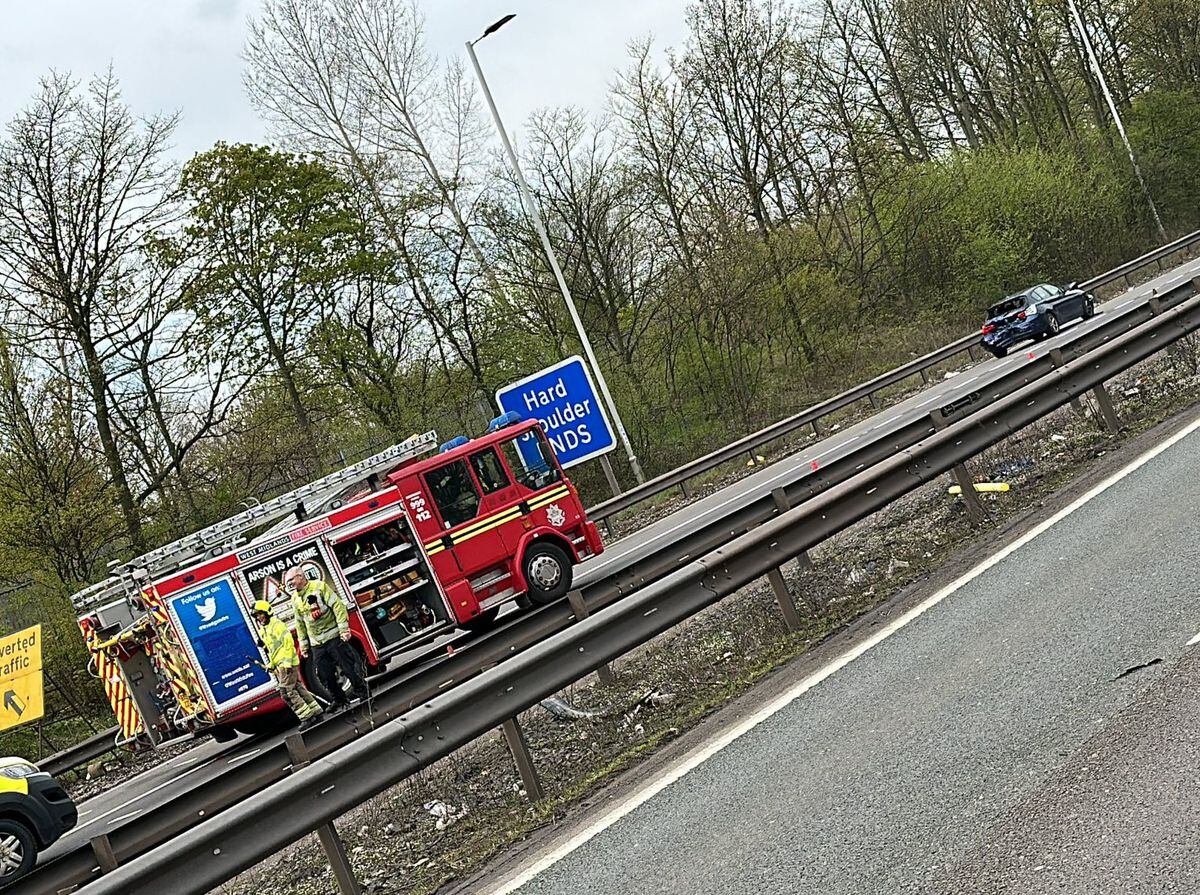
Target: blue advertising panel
(564, 398)
(220, 639)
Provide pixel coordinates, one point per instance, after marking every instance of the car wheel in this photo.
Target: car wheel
(1052, 325)
(18, 851)
(547, 571)
(484, 621)
(1089, 307)
(999, 352)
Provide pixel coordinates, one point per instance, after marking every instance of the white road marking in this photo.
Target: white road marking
(243, 757)
(1194, 640)
(148, 792)
(696, 758)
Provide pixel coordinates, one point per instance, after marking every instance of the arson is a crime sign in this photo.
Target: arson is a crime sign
(21, 694)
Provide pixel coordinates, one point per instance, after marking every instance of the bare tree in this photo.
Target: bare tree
(82, 185)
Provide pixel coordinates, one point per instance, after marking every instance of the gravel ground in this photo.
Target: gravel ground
(447, 823)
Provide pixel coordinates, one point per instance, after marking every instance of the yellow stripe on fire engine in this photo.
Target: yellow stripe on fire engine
(494, 521)
(119, 698)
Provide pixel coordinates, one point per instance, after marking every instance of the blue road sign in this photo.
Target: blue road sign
(564, 398)
(217, 634)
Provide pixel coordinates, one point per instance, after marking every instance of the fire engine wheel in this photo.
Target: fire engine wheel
(223, 733)
(18, 851)
(264, 725)
(547, 573)
(484, 621)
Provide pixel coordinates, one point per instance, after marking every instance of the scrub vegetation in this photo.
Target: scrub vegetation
(798, 196)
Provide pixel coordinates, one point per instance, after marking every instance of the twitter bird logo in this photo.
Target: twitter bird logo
(207, 609)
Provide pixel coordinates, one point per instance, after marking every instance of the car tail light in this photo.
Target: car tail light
(988, 328)
(1021, 315)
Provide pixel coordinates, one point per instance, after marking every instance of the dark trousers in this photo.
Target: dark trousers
(338, 656)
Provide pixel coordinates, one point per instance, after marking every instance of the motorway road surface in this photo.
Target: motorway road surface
(997, 742)
(106, 811)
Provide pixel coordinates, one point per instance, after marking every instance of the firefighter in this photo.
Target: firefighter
(323, 625)
(284, 665)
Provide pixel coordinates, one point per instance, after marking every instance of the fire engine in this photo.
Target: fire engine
(415, 545)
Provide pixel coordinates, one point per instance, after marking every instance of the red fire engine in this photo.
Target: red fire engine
(415, 547)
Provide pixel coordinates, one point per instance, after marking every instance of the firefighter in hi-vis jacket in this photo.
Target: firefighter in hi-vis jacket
(284, 665)
(323, 625)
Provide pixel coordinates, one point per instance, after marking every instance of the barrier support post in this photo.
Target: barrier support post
(103, 851)
(1108, 413)
(331, 842)
(519, 747)
(580, 611)
(962, 477)
(783, 594)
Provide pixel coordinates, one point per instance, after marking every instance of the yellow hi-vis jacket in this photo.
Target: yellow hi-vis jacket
(277, 641)
(332, 618)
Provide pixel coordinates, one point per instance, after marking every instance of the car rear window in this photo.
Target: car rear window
(1007, 306)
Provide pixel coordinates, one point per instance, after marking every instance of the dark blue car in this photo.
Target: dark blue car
(1036, 313)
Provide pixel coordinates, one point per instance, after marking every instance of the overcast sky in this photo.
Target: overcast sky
(185, 55)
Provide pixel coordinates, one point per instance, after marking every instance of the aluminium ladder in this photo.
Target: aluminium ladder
(152, 563)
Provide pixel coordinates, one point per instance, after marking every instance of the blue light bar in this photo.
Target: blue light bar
(504, 420)
(453, 443)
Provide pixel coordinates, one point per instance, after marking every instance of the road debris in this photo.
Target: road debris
(1133, 668)
(564, 711)
(445, 813)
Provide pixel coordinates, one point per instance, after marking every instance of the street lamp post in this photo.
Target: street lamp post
(532, 210)
(1112, 108)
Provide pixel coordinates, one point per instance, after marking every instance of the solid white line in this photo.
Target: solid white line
(1194, 640)
(694, 759)
(238, 758)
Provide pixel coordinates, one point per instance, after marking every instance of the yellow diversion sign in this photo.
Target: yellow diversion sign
(21, 677)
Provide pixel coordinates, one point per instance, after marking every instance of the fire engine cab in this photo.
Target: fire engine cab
(415, 545)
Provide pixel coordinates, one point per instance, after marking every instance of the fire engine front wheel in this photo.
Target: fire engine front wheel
(547, 573)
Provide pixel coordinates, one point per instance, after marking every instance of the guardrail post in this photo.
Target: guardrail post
(962, 477)
(975, 511)
(874, 401)
(580, 611)
(816, 424)
(972, 353)
(610, 475)
(924, 376)
(783, 596)
(103, 851)
(684, 488)
(1108, 413)
(782, 504)
(519, 747)
(331, 842)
